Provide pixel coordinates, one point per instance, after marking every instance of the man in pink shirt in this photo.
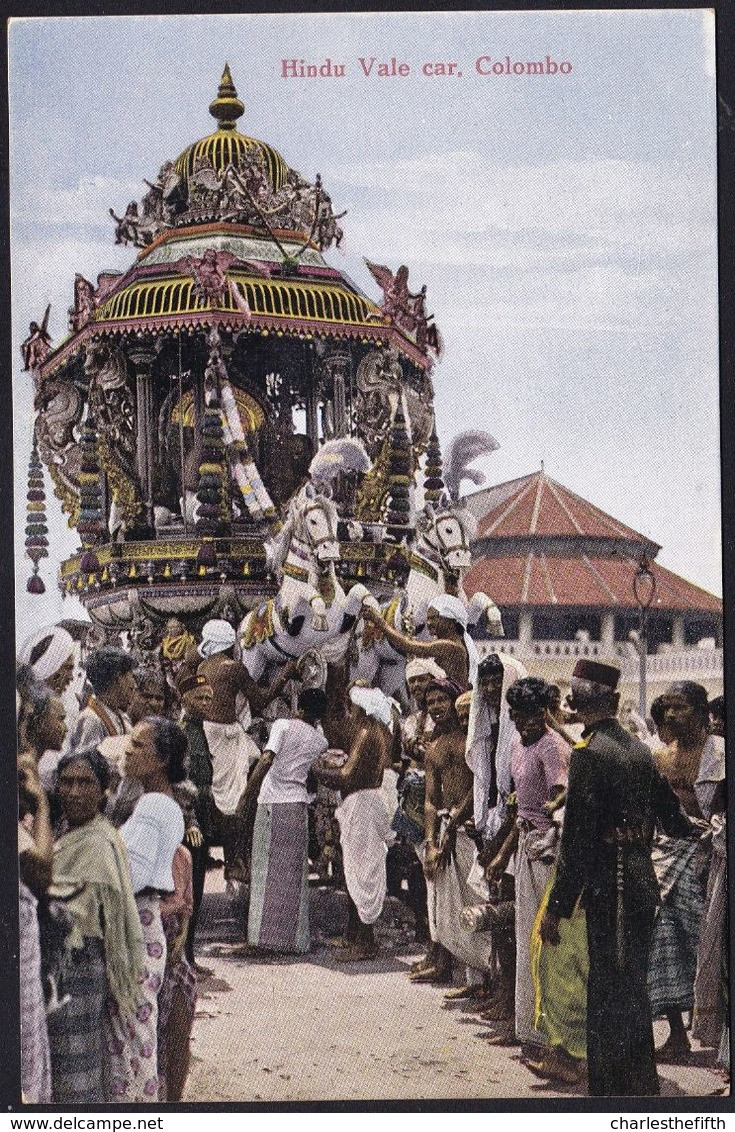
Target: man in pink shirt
(539, 765)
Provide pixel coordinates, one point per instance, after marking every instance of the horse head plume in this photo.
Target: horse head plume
(342, 455)
(466, 447)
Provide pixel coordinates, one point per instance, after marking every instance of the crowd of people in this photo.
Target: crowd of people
(565, 867)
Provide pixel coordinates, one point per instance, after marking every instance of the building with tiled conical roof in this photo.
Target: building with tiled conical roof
(561, 571)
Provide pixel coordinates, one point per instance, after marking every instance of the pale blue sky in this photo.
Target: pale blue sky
(565, 226)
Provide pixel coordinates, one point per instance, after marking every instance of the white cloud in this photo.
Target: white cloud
(86, 204)
(465, 194)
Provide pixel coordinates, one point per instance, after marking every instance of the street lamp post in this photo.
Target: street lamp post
(644, 591)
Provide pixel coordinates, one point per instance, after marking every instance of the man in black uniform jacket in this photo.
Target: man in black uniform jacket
(615, 798)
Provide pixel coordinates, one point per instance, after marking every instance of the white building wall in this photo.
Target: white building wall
(554, 661)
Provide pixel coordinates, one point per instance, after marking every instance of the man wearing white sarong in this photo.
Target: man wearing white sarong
(539, 768)
(364, 817)
(450, 852)
(233, 752)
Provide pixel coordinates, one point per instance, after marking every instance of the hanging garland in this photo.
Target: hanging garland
(211, 513)
(434, 478)
(400, 472)
(36, 543)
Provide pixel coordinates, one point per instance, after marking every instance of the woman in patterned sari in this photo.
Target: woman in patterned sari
(156, 757)
(178, 996)
(105, 946)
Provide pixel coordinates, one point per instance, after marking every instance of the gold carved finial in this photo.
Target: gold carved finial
(227, 107)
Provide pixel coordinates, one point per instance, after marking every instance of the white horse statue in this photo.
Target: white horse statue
(439, 560)
(311, 607)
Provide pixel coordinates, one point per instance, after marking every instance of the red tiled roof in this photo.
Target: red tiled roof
(537, 579)
(537, 505)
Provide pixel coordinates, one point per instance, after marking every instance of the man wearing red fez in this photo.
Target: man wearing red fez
(615, 798)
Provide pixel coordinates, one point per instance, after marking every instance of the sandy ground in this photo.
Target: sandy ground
(311, 1029)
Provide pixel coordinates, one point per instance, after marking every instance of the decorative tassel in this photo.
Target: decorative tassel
(433, 479)
(211, 516)
(206, 557)
(36, 543)
(91, 519)
(400, 472)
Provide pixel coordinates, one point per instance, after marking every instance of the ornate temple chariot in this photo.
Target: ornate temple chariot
(210, 396)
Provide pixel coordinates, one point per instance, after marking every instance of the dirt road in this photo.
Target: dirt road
(312, 1029)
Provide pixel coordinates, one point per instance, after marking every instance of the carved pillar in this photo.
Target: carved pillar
(312, 402)
(677, 631)
(142, 360)
(607, 632)
(336, 368)
(525, 628)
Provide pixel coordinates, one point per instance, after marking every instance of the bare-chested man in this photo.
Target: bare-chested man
(450, 852)
(405, 859)
(416, 728)
(451, 649)
(234, 694)
(364, 818)
(680, 868)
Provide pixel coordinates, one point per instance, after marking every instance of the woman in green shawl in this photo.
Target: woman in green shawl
(105, 946)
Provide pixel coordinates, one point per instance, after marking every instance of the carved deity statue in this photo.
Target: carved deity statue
(112, 406)
(405, 308)
(38, 343)
(84, 303)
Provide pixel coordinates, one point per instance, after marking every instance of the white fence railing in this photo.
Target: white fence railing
(703, 665)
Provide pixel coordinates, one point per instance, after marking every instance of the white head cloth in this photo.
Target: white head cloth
(480, 756)
(216, 637)
(428, 667)
(374, 703)
(711, 772)
(59, 646)
(452, 608)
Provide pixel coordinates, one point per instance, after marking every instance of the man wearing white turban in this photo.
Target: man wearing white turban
(416, 728)
(452, 609)
(234, 694)
(416, 733)
(364, 817)
(452, 649)
(217, 636)
(50, 654)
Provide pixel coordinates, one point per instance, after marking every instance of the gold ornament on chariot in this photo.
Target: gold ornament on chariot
(251, 414)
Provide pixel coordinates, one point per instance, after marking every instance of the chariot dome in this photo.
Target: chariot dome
(185, 407)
